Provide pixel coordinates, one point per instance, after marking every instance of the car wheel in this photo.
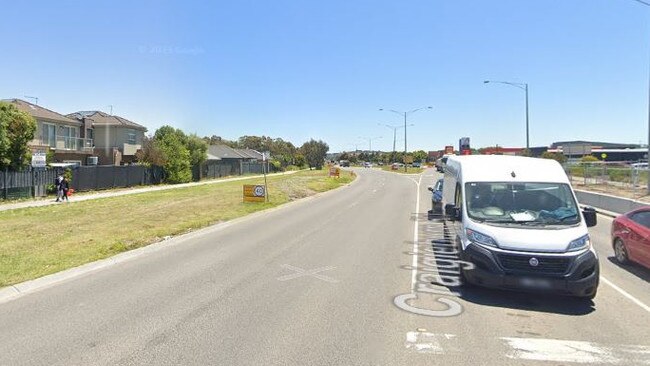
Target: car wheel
(620, 252)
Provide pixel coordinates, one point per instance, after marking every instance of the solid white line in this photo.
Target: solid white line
(626, 294)
(414, 264)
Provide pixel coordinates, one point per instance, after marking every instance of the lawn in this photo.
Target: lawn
(43, 240)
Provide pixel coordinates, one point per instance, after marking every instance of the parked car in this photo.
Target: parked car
(631, 237)
(416, 164)
(344, 163)
(639, 166)
(367, 164)
(517, 221)
(436, 197)
(440, 163)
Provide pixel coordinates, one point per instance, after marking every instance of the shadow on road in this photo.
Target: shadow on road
(526, 301)
(634, 268)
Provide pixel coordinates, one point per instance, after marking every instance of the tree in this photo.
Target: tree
(172, 143)
(315, 152)
(420, 155)
(198, 150)
(17, 129)
(555, 156)
(150, 153)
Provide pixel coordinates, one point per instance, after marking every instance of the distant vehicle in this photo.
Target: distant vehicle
(416, 164)
(440, 163)
(344, 163)
(436, 197)
(631, 237)
(639, 166)
(517, 220)
(367, 164)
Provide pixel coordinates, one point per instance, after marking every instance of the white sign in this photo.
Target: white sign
(38, 160)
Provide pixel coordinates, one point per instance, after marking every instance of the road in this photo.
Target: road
(319, 282)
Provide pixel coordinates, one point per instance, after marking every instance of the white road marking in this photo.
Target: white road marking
(535, 349)
(626, 294)
(311, 273)
(414, 263)
(556, 350)
(425, 342)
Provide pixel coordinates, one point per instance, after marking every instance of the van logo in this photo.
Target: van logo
(533, 262)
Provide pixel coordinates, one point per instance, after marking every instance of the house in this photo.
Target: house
(224, 160)
(116, 138)
(68, 138)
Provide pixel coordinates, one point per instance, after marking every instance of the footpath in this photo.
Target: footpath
(46, 201)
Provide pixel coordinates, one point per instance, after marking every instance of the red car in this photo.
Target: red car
(631, 237)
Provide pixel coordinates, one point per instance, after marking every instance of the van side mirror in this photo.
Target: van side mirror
(452, 212)
(589, 213)
(430, 188)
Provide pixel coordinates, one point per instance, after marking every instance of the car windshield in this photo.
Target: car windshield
(521, 203)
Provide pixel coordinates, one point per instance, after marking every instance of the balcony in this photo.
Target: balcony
(74, 144)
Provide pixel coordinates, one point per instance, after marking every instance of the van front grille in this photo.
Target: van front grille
(545, 265)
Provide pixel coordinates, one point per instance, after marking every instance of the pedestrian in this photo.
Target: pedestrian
(58, 186)
(65, 188)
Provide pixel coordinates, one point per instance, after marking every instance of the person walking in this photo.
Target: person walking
(65, 188)
(58, 186)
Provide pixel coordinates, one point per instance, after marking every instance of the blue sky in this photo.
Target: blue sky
(322, 69)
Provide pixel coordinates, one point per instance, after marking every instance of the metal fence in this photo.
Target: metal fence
(90, 178)
(617, 178)
(36, 182)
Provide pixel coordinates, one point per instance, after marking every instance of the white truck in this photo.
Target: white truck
(517, 220)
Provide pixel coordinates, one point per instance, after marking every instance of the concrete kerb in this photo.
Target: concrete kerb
(13, 292)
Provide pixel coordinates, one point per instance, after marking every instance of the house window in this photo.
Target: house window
(49, 135)
(130, 137)
(69, 135)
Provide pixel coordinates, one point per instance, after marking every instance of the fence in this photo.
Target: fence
(616, 178)
(34, 182)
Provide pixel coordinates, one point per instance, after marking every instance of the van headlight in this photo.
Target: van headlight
(581, 243)
(476, 237)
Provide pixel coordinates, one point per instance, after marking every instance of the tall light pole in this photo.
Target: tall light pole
(370, 141)
(405, 114)
(648, 158)
(394, 128)
(524, 87)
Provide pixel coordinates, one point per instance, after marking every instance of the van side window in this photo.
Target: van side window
(458, 202)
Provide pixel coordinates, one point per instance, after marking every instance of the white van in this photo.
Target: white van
(518, 221)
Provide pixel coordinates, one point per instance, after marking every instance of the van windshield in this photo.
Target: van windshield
(522, 203)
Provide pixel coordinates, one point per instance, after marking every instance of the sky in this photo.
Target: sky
(323, 69)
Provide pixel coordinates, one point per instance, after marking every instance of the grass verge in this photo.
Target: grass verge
(42, 240)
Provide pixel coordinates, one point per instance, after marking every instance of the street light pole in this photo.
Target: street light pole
(524, 87)
(394, 128)
(648, 154)
(405, 114)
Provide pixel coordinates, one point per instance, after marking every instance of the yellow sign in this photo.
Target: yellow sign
(335, 172)
(254, 193)
(603, 155)
(408, 159)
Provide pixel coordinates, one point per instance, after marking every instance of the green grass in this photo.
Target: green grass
(43, 240)
(409, 170)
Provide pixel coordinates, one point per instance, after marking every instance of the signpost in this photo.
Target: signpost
(254, 193)
(449, 149)
(408, 159)
(38, 160)
(335, 172)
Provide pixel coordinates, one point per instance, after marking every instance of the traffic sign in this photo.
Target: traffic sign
(254, 193)
(335, 172)
(603, 155)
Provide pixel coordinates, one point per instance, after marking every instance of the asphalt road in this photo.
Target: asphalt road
(319, 282)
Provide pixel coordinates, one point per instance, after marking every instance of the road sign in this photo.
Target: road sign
(335, 172)
(408, 159)
(604, 156)
(38, 160)
(449, 149)
(254, 193)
